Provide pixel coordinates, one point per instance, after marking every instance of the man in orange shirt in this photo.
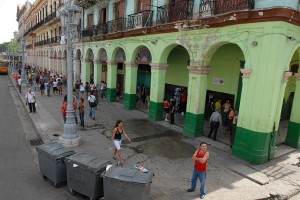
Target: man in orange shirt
(200, 157)
(64, 110)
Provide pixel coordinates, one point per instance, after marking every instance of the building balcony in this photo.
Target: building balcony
(139, 20)
(178, 11)
(213, 7)
(117, 25)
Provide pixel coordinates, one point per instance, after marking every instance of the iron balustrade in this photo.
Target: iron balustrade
(116, 25)
(87, 32)
(214, 7)
(140, 19)
(101, 29)
(177, 11)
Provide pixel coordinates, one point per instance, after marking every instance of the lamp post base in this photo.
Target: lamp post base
(69, 142)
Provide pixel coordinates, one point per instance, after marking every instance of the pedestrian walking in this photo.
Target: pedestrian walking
(59, 86)
(172, 110)
(42, 88)
(64, 110)
(117, 140)
(92, 104)
(233, 129)
(20, 84)
(230, 119)
(200, 157)
(30, 100)
(166, 108)
(81, 90)
(48, 87)
(77, 89)
(81, 108)
(226, 107)
(215, 121)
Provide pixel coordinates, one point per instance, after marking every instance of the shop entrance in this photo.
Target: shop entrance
(143, 87)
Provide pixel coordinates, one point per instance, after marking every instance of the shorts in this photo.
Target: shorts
(167, 110)
(117, 144)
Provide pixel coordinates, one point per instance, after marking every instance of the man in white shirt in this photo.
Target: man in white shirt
(19, 83)
(215, 121)
(31, 99)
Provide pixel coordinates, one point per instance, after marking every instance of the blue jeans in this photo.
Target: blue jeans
(81, 116)
(92, 112)
(202, 178)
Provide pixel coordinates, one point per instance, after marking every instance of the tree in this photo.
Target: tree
(13, 46)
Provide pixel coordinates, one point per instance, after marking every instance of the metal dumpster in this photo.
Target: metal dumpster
(51, 160)
(84, 174)
(126, 183)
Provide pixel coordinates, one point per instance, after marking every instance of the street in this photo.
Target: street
(19, 175)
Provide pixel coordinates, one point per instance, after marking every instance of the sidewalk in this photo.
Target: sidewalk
(168, 154)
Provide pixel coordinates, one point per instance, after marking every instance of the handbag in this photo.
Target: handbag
(92, 104)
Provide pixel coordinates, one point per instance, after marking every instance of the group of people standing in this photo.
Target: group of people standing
(177, 103)
(229, 119)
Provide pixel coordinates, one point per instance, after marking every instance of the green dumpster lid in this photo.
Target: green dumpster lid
(128, 174)
(88, 162)
(54, 150)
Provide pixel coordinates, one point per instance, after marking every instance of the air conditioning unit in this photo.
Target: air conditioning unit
(138, 20)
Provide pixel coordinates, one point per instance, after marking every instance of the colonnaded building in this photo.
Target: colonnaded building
(243, 50)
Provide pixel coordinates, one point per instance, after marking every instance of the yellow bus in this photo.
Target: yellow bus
(3, 67)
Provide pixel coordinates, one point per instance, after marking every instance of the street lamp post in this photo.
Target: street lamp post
(70, 14)
(23, 78)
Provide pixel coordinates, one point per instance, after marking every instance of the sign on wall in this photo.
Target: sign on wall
(218, 81)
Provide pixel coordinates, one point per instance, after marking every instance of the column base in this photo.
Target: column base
(193, 125)
(293, 135)
(111, 94)
(254, 147)
(69, 142)
(130, 101)
(156, 111)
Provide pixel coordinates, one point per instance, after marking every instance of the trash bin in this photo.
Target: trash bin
(51, 160)
(84, 174)
(126, 183)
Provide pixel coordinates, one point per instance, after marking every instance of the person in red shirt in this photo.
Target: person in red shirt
(200, 157)
(64, 110)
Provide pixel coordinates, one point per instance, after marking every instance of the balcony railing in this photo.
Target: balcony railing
(116, 25)
(139, 20)
(213, 7)
(178, 11)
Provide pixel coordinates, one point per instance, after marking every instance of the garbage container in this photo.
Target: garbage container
(84, 174)
(51, 160)
(126, 183)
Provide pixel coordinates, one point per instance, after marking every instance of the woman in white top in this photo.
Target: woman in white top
(30, 100)
(92, 104)
(81, 90)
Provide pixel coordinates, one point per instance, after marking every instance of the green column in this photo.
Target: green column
(86, 71)
(97, 72)
(293, 135)
(130, 85)
(196, 101)
(157, 90)
(111, 90)
(259, 116)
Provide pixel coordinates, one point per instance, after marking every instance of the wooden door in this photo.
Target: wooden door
(144, 5)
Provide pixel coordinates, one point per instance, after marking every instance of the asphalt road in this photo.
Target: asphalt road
(19, 173)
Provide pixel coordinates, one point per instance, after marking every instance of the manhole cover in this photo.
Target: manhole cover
(36, 142)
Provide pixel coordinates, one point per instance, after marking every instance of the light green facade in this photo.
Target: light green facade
(266, 50)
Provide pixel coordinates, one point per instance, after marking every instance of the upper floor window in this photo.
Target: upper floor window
(120, 9)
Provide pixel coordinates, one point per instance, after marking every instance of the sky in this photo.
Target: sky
(8, 19)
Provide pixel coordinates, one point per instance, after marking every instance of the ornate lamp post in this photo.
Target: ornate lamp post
(24, 81)
(70, 15)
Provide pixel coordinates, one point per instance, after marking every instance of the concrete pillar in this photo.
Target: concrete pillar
(157, 91)
(86, 71)
(130, 85)
(111, 91)
(196, 101)
(97, 72)
(293, 135)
